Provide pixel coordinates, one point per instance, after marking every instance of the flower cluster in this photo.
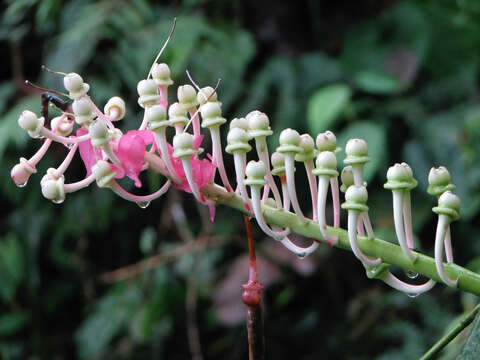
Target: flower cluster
(110, 154)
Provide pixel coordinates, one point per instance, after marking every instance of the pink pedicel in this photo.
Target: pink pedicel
(131, 151)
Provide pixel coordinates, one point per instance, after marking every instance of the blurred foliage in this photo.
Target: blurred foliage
(403, 75)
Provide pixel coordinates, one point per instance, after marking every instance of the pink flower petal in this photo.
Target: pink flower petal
(87, 153)
(131, 152)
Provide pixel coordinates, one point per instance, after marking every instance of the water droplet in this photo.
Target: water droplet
(301, 256)
(412, 295)
(143, 204)
(411, 274)
(58, 201)
(21, 185)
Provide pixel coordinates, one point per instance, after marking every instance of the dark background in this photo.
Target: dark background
(401, 74)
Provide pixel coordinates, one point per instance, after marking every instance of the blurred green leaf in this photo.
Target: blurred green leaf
(377, 83)
(326, 105)
(471, 349)
(147, 240)
(12, 266)
(13, 322)
(375, 136)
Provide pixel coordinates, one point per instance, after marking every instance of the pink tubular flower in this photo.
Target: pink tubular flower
(131, 151)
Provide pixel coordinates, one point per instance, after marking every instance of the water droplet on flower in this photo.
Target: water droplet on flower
(412, 295)
(21, 185)
(58, 201)
(301, 256)
(143, 204)
(411, 274)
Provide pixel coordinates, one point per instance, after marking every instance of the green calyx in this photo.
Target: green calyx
(449, 205)
(439, 181)
(356, 199)
(326, 164)
(400, 177)
(255, 172)
(357, 152)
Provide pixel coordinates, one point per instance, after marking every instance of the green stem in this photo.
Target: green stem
(391, 254)
(459, 326)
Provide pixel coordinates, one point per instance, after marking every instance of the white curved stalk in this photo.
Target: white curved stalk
(218, 156)
(323, 182)
(195, 121)
(398, 219)
(66, 162)
(399, 285)
(336, 201)
(448, 246)
(368, 225)
(117, 189)
(290, 173)
(144, 123)
(352, 237)
(187, 168)
(239, 161)
(35, 159)
(298, 250)
(178, 128)
(161, 142)
(101, 115)
(62, 139)
(286, 198)
(72, 187)
(360, 228)
(257, 210)
(107, 149)
(407, 219)
(262, 151)
(312, 183)
(442, 226)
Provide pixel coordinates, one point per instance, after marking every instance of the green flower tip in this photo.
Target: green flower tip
(308, 148)
(75, 86)
(157, 117)
(83, 111)
(289, 142)
(115, 103)
(187, 97)
(212, 115)
(347, 178)
(356, 198)
(326, 164)
(400, 177)
(161, 74)
(327, 141)
(52, 187)
(104, 173)
(357, 152)
(147, 93)
(177, 114)
(449, 205)
(439, 181)
(99, 135)
(209, 93)
(258, 124)
(255, 172)
(183, 145)
(237, 141)
(29, 122)
(278, 164)
(63, 125)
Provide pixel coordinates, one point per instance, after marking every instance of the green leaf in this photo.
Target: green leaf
(375, 136)
(12, 266)
(377, 83)
(471, 349)
(12, 323)
(325, 105)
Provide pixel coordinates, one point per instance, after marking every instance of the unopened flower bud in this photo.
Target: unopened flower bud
(439, 181)
(289, 142)
(115, 108)
(21, 172)
(62, 125)
(347, 178)
(356, 198)
(449, 205)
(53, 187)
(258, 124)
(255, 172)
(278, 164)
(308, 148)
(327, 141)
(157, 117)
(31, 123)
(209, 93)
(326, 164)
(161, 74)
(177, 114)
(237, 141)
(357, 152)
(104, 173)
(183, 145)
(83, 111)
(187, 97)
(400, 177)
(147, 93)
(212, 115)
(99, 135)
(75, 86)
(241, 123)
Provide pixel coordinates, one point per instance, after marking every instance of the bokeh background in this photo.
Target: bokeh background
(401, 74)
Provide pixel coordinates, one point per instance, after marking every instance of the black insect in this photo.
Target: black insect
(50, 96)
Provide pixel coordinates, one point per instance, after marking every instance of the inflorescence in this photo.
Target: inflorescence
(110, 154)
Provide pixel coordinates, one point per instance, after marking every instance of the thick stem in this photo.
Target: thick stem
(312, 183)
(239, 162)
(290, 173)
(116, 188)
(442, 226)
(257, 210)
(323, 182)
(336, 201)
(352, 236)
(218, 156)
(398, 219)
(262, 151)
